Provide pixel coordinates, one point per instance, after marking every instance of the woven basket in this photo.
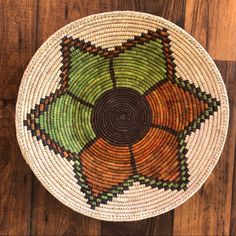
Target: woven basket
(122, 115)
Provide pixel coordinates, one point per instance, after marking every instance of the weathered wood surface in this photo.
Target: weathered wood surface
(213, 23)
(210, 210)
(26, 208)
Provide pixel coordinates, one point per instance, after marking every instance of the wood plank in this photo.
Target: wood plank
(15, 177)
(208, 212)
(172, 10)
(160, 225)
(230, 68)
(49, 216)
(233, 206)
(61, 13)
(213, 23)
(17, 34)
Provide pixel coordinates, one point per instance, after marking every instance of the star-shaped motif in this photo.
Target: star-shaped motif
(121, 115)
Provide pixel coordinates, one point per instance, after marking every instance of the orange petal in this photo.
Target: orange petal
(105, 165)
(173, 107)
(156, 155)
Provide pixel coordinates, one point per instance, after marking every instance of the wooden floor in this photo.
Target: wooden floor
(26, 208)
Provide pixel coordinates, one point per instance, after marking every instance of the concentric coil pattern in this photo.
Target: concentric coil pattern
(123, 115)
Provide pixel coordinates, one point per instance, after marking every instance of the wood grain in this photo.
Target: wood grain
(26, 208)
(213, 23)
(160, 225)
(17, 34)
(233, 207)
(208, 212)
(60, 13)
(15, 177)
(228, 71)
(50, 217)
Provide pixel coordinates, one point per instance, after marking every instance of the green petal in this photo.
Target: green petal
(67, 122)
(89, 75)
(140, 67)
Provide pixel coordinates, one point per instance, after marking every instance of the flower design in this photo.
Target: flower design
(121, 115)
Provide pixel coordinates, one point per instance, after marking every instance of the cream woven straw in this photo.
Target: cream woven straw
(122, 115)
